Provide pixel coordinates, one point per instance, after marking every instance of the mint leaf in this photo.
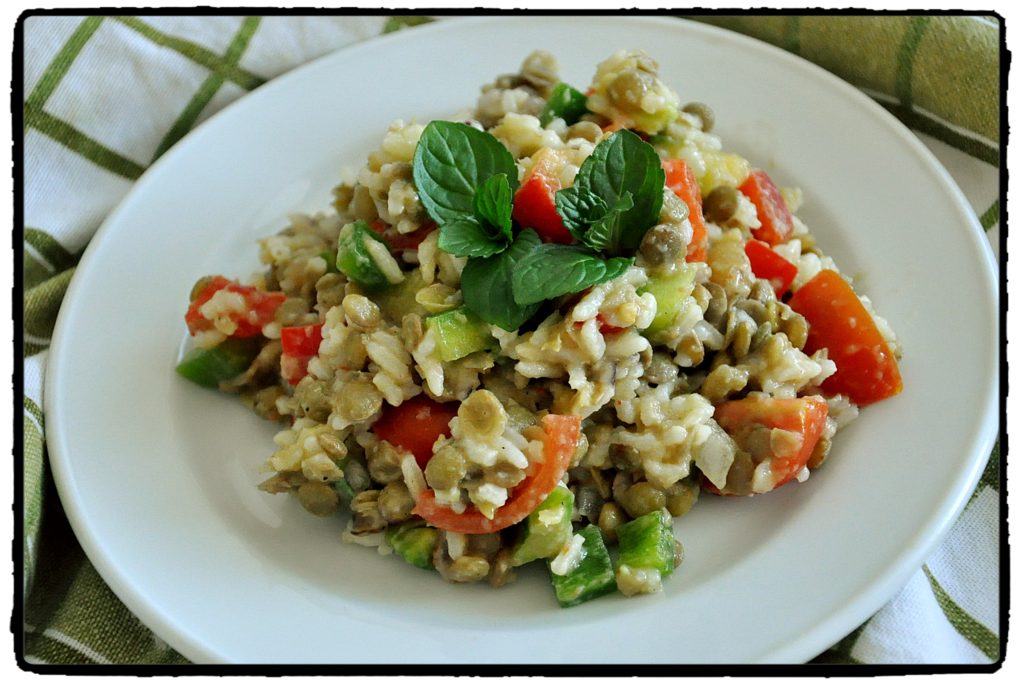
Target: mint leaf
(487, 284)
(552, 270)
(451, 161)
(492, 203)
(600, 234)
(622, 164)
(466, 237)
(578, 210)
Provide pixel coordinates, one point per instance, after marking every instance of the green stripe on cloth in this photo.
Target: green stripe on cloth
(951, 69)
(905, 60)
(208, 90)
(990, 475)
(55, 649)
(841, 652)
(41, 306)
(61, 63)
(943, 133)
(791, 38)
(94, 620)
(70, 603)
(960, 55)
(195, 52)
(56, 255)
(33, 270)
(965, 624)
(395, 23)
(34, 409)
(30, 348)
(990, 216)
(32, 490)
(69, 136)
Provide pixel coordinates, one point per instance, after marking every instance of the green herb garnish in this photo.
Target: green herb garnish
(617, 194)
(487, 284)
(467, 180)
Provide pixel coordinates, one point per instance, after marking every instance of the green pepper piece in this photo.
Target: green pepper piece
(354, 259)
(209, 366)
(459, 333)
(565, 102)
(593, 577)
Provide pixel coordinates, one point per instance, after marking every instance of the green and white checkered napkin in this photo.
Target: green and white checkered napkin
(106, 96)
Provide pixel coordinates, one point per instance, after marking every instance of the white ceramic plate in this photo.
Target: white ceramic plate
(158, 477)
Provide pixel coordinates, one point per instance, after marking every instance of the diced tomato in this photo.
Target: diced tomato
(772, 211)
(415, 425)
(607, 328)
(866, 370)
(398, 242)
(533, 206)
(681, 180)
(769, 265)
(561, 434)
(256, 311)
(803, 418)
(299, 344)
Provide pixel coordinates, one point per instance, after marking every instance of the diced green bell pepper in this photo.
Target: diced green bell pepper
(565, 102)
(354, 259)
(593, 576)
(548, 528)
(647, 543)
(209, 366)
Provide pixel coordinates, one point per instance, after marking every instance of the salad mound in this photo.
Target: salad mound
(539, 331)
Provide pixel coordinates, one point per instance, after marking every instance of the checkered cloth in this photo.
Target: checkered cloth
(106, 96)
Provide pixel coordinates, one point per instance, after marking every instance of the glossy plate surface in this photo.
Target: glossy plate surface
(158, 477)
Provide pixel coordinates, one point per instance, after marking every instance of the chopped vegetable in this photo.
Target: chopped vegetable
(592, 577)
(769, 265)
(240, 312)
(459, 333)
(548, 528)
(561, 434)
(647, 543)
(670, 292)
(534, 204)
(565, 102)
(680, 179)
(775, 437)
(400, 299)
(209, 366)
(397, 242)
(354, 257)
(866, 369)
(299, 344)
(772, 211)
(647, 553)
(415, 425)
(413, 542)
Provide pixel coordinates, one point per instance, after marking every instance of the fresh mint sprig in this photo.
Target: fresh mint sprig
(466, 180)
(618, 190)
(577, 268)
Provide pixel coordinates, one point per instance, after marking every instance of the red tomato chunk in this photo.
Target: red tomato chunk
(772, 211)
(866, 370)
(415, 424)
(248, 310)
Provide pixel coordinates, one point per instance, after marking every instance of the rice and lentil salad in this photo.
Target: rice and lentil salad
(539, 331)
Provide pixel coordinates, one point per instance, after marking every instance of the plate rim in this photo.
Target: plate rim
(861, 605)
